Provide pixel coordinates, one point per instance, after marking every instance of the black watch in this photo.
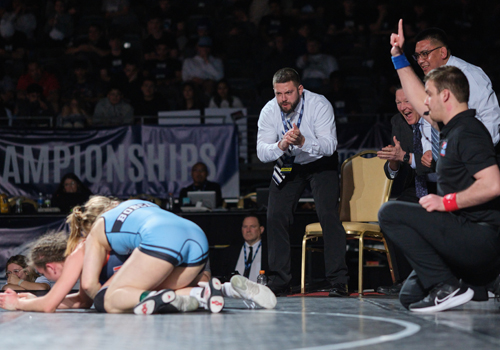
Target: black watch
(406, 158)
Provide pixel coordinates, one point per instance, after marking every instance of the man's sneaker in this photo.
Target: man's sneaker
(165, 301)
(390, 290)
(443, 297)
(212, 296)
(258, 293)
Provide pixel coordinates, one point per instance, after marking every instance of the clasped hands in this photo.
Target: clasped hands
(292, 137)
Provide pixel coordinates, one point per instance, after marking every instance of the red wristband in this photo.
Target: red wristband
(450, 202)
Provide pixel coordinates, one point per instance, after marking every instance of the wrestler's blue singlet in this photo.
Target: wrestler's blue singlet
(156, 232)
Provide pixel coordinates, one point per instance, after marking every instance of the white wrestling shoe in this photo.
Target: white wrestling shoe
(258, 293)
(212, 298)
(165, 301)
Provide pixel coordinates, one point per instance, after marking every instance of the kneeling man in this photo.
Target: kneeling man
(453, 238)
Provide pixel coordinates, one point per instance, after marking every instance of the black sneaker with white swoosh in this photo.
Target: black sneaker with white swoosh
(443, 297)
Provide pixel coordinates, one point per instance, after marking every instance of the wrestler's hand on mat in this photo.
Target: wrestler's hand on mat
(9, 300)
(26, 296)
(432, 202)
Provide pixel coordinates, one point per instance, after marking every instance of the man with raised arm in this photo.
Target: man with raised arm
(432, 51)
(451, 239)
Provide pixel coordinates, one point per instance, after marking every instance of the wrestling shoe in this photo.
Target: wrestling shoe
(212, 296)
(258, 293)
(443, 297)
(165, 301)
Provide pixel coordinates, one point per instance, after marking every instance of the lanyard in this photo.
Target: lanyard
(249, 263)
(283, 118)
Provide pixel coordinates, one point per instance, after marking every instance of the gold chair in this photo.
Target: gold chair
(364, 188)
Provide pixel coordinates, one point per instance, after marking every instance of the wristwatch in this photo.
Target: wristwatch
(406, 158)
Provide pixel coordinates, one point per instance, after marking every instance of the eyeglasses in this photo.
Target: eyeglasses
(423, 54)
(13, 271)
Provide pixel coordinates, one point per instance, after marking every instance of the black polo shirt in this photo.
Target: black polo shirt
(465, 149)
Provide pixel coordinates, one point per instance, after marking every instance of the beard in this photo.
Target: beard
(293, 106)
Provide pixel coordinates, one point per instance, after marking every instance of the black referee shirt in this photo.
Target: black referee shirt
(465, 149)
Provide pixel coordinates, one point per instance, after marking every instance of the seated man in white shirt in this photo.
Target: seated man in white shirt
(203, 69)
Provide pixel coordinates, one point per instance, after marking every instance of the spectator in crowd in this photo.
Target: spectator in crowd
(342, 98)
(199, 174)
(274, 23)
(115, 60)
(118, 13)
(316, 66)
(274, 56)
(13, 48)
(131, 82)
(36, 75)
(34, 105)
(203, 67)
(150, 102)
(112, 110)
(163, 69)
(7, 89)
(156, 35)
(298, 45)
(223, 99)
(169, 13)
(70, 193)
(238, 43)
(82, 85)
(20, 18)
(21, 277)
(91, 48)
(73, 114)
(190, 99)
(59, 26)
(347, 26)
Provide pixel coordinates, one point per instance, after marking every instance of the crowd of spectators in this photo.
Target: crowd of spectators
(108, 62)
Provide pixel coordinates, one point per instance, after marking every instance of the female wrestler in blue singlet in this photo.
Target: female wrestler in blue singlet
(61, 260)
(167, 253)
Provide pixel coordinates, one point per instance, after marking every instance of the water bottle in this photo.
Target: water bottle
(40, 200)
(170, 202)
(19, 206)
(262, 278)
(48, 201)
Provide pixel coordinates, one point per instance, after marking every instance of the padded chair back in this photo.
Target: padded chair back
(364, 188)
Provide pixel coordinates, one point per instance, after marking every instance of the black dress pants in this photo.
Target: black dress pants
(282, 203)
(441, 247)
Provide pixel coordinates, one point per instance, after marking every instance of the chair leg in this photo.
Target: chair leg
(389, 261)
(360, 265)
(303, 266)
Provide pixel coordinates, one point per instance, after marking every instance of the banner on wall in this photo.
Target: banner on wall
(121, 161)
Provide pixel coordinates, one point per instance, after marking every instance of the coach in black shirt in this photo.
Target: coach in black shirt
(451, 238)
